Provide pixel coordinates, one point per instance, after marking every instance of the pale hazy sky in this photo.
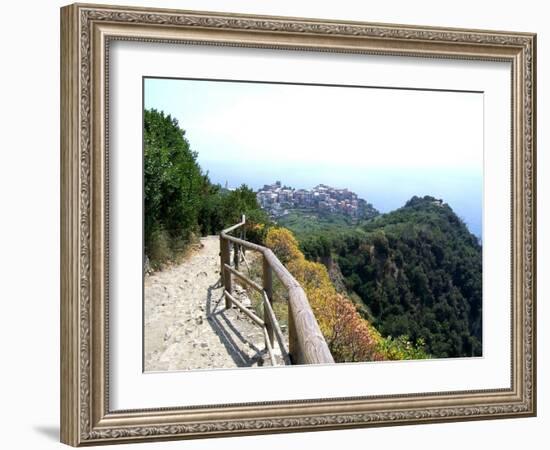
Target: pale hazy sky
(386, 144)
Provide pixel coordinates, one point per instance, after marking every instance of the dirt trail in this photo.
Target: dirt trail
(186, 323)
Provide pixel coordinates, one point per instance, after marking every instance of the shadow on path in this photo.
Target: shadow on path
(225, 330)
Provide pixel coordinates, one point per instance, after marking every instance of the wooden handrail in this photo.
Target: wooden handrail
(244, 278)
(234, 227)
(245, 310)
(307, 344)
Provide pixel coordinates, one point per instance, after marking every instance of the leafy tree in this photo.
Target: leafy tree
(173, 182)
(180, 202)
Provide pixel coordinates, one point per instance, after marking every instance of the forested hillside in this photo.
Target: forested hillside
(417, 271)
(306, 223)
(350, 337)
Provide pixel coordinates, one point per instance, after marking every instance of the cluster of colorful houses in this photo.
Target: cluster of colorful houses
(278, 199)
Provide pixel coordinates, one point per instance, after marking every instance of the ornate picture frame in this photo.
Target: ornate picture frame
(87, 31)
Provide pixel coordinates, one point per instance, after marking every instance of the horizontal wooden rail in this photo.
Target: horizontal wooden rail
(307, 344)
(241, 276)
(246, 244)
(245, 310)
(234, 227)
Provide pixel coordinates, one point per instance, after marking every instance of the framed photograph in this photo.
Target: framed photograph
(275, 224)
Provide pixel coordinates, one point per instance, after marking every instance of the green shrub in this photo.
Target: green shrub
(159, 248)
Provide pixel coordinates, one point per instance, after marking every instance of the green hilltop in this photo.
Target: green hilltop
(417, 271)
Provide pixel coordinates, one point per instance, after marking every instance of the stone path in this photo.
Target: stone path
(186, 323)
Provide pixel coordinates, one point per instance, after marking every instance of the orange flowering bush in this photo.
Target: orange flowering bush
(284, 245)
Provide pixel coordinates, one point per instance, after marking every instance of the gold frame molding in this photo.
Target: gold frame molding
(86, 31)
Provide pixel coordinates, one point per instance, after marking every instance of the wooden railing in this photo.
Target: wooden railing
(307, 344)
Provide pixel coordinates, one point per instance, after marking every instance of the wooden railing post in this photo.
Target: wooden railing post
(307, 344)
(243, 235)
(236, 255)
(268, 288)
(225, 258)
(293, 346)
(222, 271)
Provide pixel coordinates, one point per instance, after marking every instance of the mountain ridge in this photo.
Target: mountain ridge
(417, 271)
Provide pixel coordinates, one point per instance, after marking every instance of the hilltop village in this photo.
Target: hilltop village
(278, 200)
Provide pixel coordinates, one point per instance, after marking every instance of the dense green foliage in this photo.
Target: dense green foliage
(418, 271)
(349, 336)
(221, 208)
(173, 182)
(306, 223)
(180, 202)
